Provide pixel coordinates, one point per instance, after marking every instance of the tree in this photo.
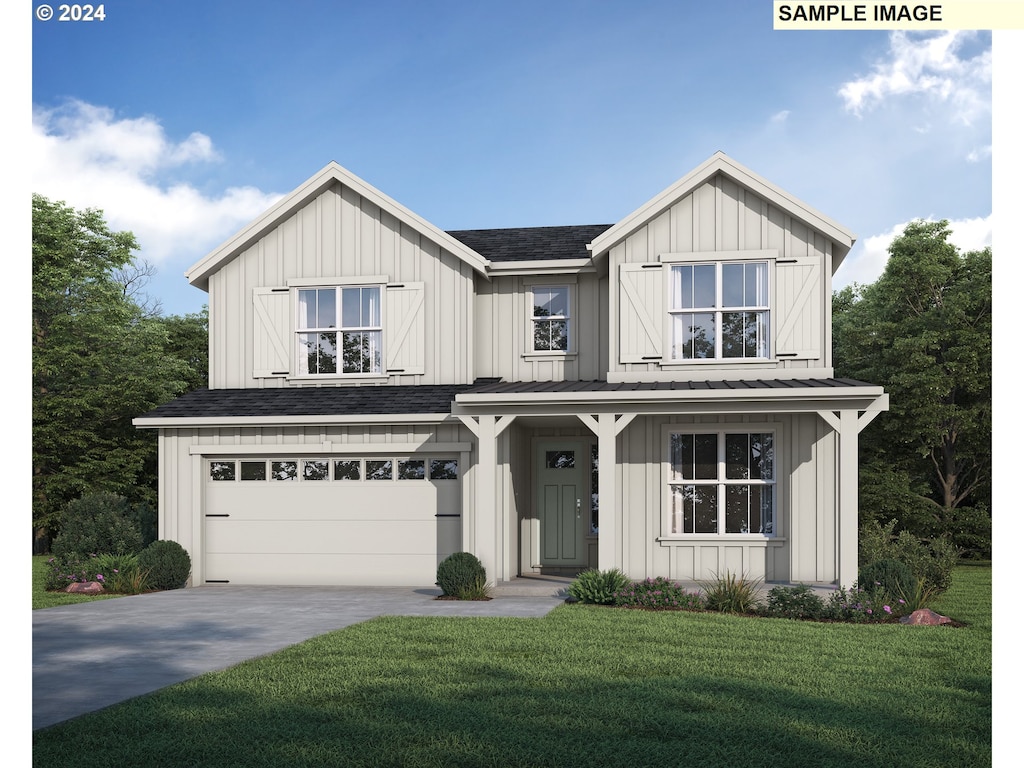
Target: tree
(924, 332)
(98, 360)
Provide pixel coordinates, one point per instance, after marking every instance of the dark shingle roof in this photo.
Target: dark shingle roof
(312, 401)
(531, 243)
(427, 398)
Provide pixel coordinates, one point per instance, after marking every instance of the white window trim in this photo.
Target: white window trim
(554, 281)
(668, 260)
(721, 429)
(297, 284)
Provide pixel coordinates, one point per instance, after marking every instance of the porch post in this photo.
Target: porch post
(484, 514)
(608, 517)
(847, 525)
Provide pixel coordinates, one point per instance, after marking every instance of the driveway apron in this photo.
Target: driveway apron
(89, 656)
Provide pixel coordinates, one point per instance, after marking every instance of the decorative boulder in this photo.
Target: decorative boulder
(85, 588)
(925, 616)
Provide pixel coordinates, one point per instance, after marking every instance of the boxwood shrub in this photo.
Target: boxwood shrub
(166, 564)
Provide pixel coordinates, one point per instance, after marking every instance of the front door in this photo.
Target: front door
(562, 502)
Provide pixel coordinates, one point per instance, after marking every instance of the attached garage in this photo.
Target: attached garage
(377, 520)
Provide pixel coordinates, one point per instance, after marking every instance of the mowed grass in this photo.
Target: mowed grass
(43, 599)
(584, 686)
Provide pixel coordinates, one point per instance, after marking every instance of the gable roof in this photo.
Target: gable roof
(722, 163)
(531, 243)
(199, 273)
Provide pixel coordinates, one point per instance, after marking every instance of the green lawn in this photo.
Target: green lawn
(43, 599)
(584, 686)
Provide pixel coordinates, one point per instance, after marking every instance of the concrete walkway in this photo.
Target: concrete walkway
(89, 656)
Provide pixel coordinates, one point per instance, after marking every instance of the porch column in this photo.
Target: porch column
(607, 427)
(849, 510)
(481, 533)
(847, 425)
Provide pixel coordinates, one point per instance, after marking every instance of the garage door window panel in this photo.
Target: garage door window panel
(348, 469)
(253, 470)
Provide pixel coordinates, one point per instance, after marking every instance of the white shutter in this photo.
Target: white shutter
(798, 309)
(271, 331)
(404, 328)
(641, 313)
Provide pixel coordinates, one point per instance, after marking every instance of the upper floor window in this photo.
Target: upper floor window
(339, 330)
(719, 310)
(551, 318)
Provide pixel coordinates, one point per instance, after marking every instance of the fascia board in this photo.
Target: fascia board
(542, 267)
(198, 274)
(835, 395)
(178, 422)
(722, 163)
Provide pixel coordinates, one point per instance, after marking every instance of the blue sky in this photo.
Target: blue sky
(184, 120)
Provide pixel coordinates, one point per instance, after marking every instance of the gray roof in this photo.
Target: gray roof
(542, 387)
(531, 243)
(312, 401)
(424, 399)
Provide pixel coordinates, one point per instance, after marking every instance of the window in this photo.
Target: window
(333, 470)
(550, 318)
(719, 310)
(721, 482)
(339, 330)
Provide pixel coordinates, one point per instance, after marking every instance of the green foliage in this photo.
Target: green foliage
(659, 594)
(461, 574)
(598, 587)
(798, 602)
(931, 562)
(98, 523)
(72, 568)
(121, 573)
(729, 593)
(101, 356)
(894, 576)
(167, 564)
(924, 332)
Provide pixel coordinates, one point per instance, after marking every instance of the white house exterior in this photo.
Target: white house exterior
(655, 395)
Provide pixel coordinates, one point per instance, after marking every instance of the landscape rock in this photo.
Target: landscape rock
(85, 588)
(925, 616)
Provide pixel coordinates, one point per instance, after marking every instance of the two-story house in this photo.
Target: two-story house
(655, 395)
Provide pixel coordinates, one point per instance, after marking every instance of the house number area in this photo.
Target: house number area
(73, 12)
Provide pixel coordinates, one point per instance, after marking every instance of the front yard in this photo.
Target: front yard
(585, 686)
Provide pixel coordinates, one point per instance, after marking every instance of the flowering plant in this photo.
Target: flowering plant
(659, 594)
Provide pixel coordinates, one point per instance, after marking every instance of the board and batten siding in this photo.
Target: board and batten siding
(720, 216)
(503, 329)
(341, 236)
(803, 549)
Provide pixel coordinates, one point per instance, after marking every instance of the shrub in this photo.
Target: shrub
(598, 587)
(799, 602)
(860, 606)
(658, 594)
(121, 573)
(98, 523)
(894, 576)
(933, 562)
(63, 570)
(731, 594)
(167, 563)
(461, 574)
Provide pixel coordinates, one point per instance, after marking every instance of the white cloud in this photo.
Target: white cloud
(928, 64)
(865, 264)
(979, 153)
(779, 117)
(87, 157)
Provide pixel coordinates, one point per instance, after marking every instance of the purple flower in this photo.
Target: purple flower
(887, 609)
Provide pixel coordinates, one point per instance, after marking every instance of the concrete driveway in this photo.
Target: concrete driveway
(86, 657)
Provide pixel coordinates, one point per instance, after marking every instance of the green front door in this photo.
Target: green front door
(562, 502)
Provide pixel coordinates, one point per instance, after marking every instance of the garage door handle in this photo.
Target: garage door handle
(219, 515)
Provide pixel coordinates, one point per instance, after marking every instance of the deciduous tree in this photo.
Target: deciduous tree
(924, 332)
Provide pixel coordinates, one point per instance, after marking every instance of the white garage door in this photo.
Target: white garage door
(319, 521)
